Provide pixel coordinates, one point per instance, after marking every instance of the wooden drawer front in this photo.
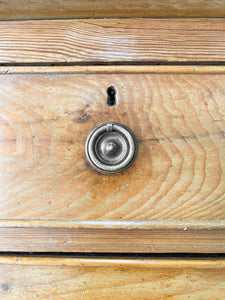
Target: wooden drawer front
(113, 40)
(179, 124)
(52, 278)
(170, 200)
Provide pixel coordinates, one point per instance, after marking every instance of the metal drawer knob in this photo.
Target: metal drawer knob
(111, 148)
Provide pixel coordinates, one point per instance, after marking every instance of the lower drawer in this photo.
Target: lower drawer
(83, 278)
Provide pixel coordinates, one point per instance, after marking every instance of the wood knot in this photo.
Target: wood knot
(82, 116)
(4, 287)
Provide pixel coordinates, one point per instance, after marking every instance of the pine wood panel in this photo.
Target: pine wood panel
(39, 9)
(45, 278)
(179, 124)
(112, 237)
(114, 69)
(178, 174)
(112, 40)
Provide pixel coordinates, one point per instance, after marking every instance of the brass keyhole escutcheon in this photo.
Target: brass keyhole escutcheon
(111, 148)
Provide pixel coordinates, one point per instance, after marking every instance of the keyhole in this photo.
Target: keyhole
(112, 97)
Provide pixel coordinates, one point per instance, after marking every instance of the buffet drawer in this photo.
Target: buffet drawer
(178, 175)
(86, 278)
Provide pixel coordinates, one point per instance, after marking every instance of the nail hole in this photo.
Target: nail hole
(112, 97)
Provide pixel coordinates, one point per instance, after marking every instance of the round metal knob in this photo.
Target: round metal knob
(111, 148)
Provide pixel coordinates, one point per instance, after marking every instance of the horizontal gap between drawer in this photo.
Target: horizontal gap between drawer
(116, 255)
(150, 262)
(119, 63)
(117, 16)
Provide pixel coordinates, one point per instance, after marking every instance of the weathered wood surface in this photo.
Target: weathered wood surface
(179, 124)
(40, 9)
(138, 237)
(114, 69)
(63, 278)
(112, 40)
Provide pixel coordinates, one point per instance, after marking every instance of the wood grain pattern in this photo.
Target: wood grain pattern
(112, 236)
(114, 69)
(148, 263)
(112, 40)
(123, 239)
(179, 124)
(42, 278)
(39, 9)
